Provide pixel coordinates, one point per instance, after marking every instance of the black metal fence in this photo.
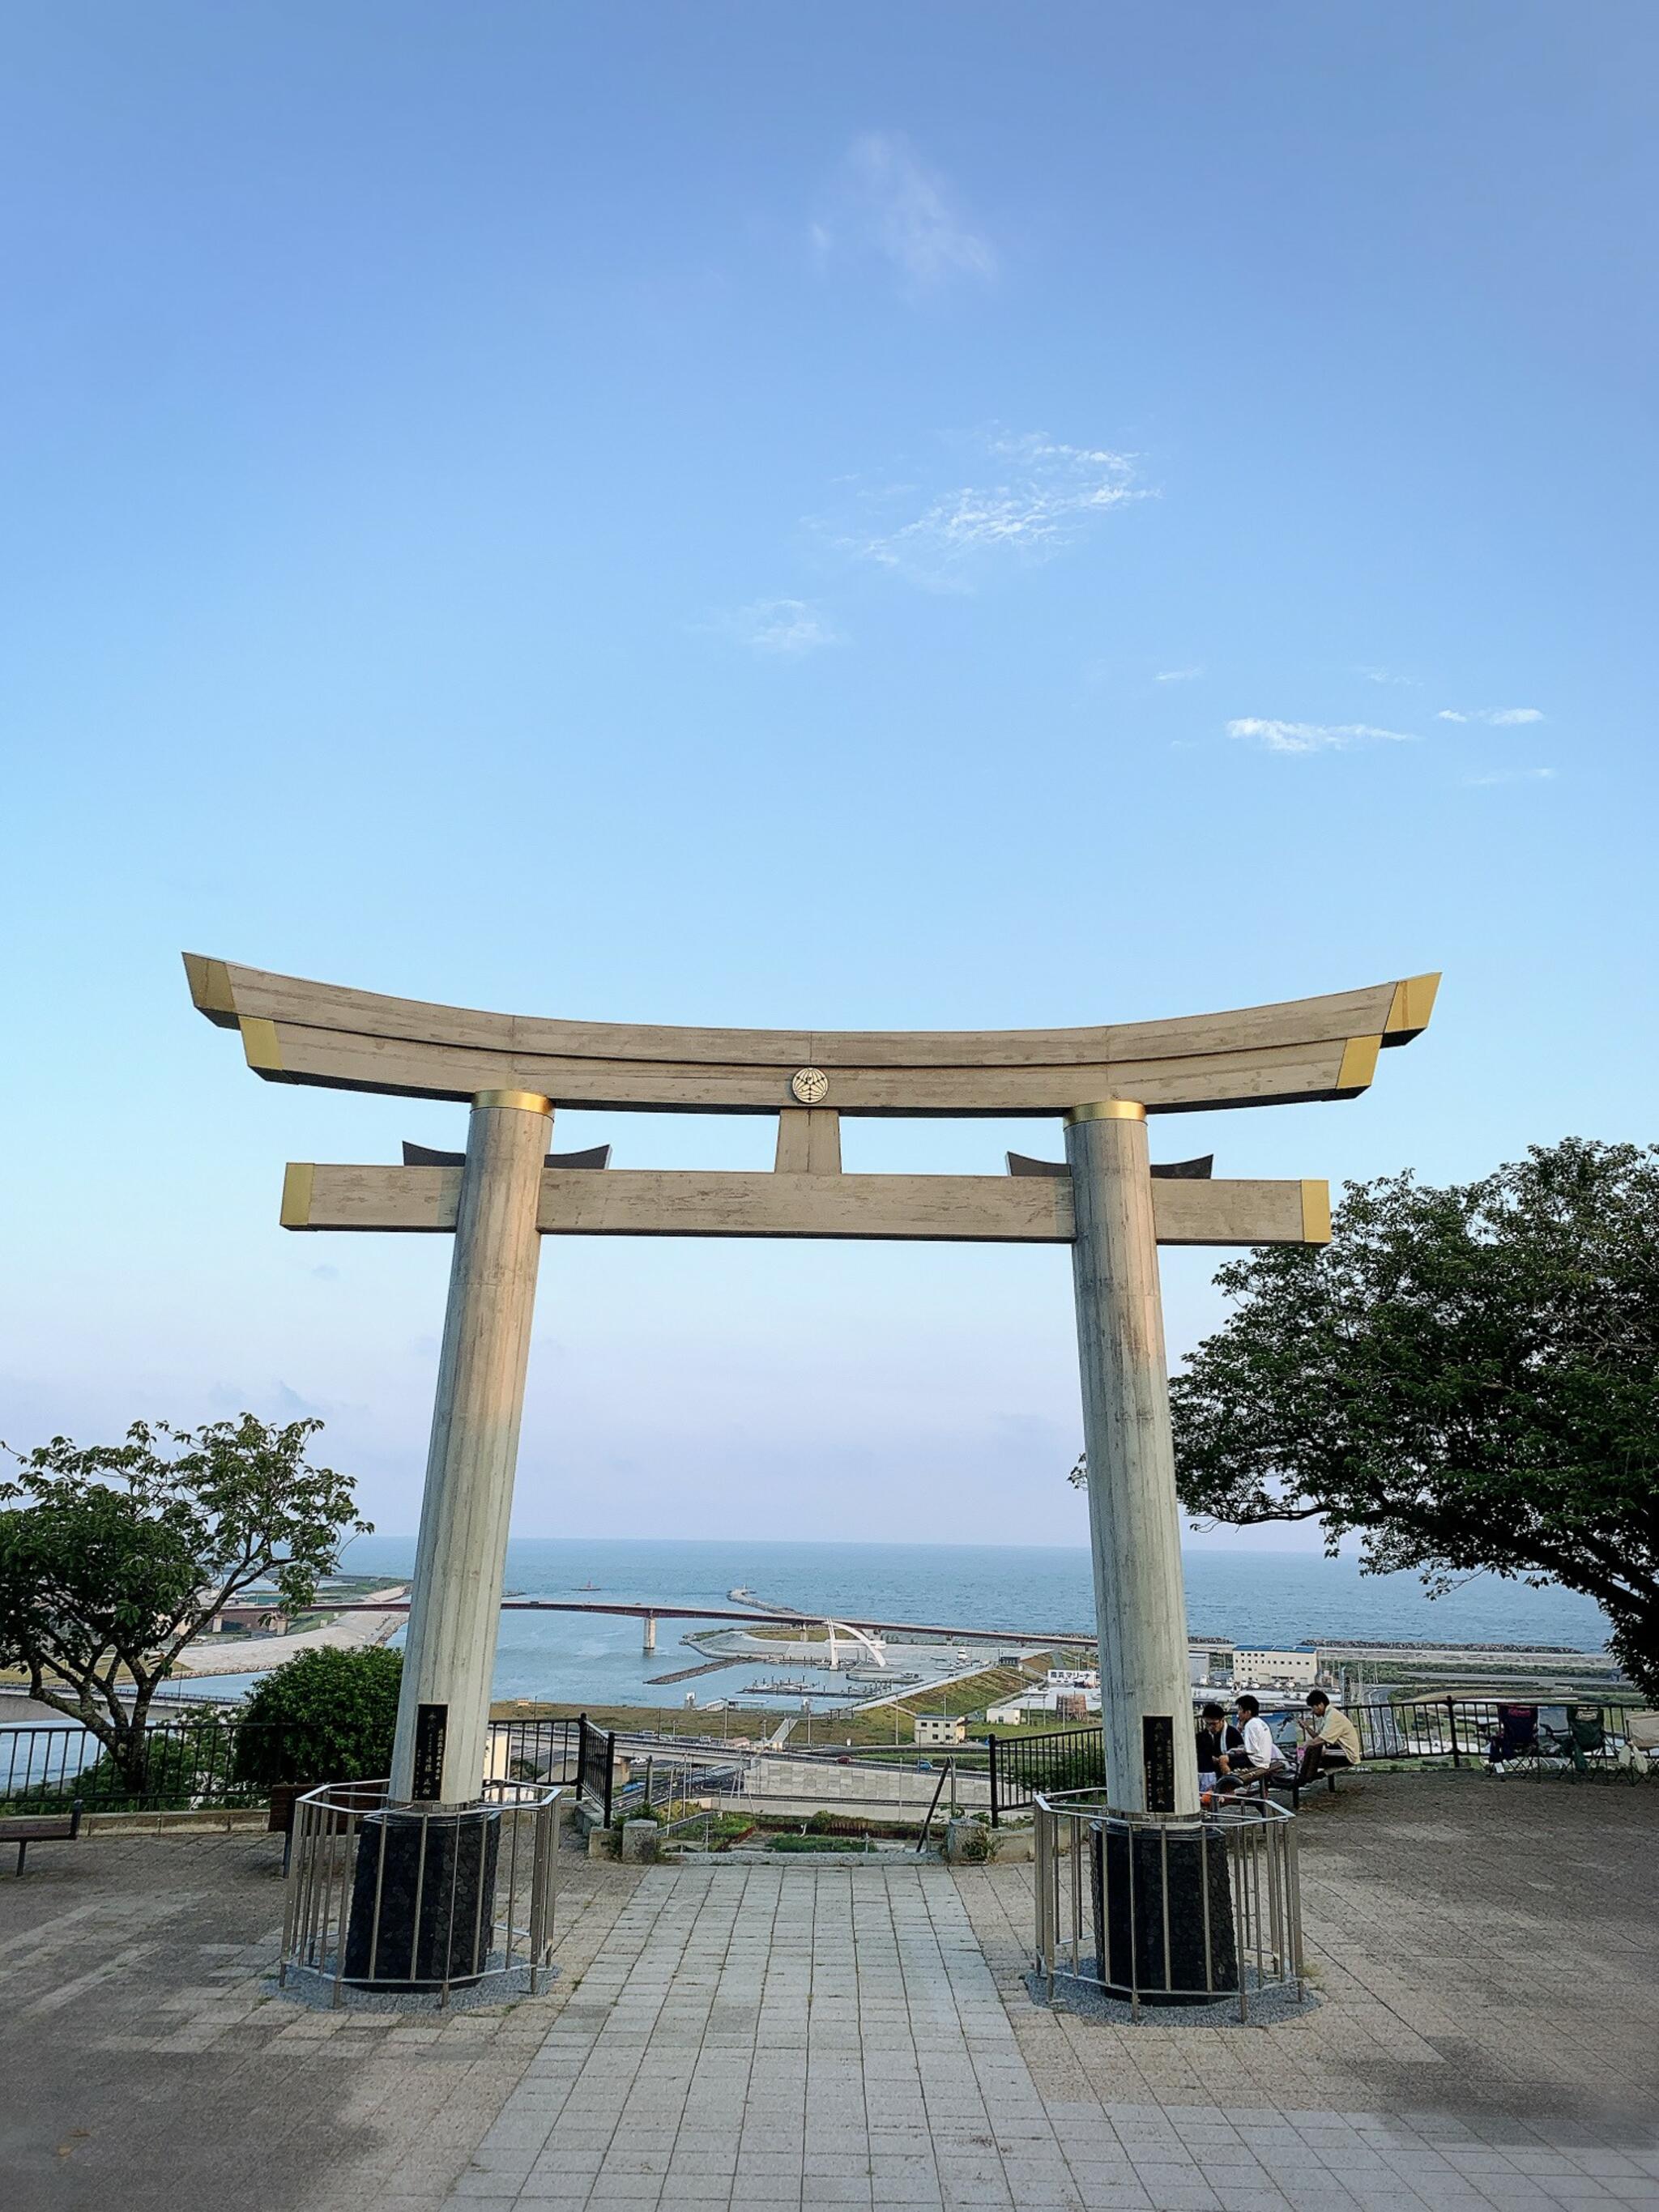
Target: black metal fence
(664, 1778)
(596, 1770)
(1466, 1731)
(178, 1764)
(218, 1761)
(1470, 1731)
(205, 1760)
(1051, 1761)
(534, 1750)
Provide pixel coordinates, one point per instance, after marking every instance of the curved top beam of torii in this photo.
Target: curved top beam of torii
(294, 1032)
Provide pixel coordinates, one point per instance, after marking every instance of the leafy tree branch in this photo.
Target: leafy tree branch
(1468, 1378)
(114, 1557)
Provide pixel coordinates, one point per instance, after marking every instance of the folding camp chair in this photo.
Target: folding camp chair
(1555, 1739)
(1641, 1752)
(1587, 1737)
(1516, 1742)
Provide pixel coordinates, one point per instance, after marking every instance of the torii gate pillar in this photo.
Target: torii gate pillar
(1134, 1525)
(443, 1710)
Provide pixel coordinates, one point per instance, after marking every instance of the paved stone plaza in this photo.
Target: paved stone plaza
(1487, 1952)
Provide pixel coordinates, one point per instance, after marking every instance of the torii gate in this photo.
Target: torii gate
(506, 1190)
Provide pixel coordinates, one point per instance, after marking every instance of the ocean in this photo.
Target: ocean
(1267, 1598)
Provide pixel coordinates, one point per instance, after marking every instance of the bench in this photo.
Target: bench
(26, 1828)
(284, 1813)
(284, 1798)
(1294, 1786)
(1288, 1782)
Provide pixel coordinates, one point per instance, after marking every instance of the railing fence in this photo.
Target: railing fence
(218, 1761)
(221, 1759)
(596, 1770)
(539, 1750)
(1022, 1768)
(1464, 1730)
(1161, 1908)
(404, 1900)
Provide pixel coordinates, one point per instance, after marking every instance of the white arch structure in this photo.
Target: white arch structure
(872, 1644)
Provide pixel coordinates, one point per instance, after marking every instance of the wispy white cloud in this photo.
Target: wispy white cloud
(885, 199)
(783, 627)
(1177, 675)
(1314, 737)
(1500, 717)
(1045, 496)
(1384, 676)
(1512, 776)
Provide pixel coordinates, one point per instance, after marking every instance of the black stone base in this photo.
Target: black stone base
(1143, 1879)
(446, 1860)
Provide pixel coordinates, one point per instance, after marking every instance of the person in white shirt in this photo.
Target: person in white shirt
(1261, 1757)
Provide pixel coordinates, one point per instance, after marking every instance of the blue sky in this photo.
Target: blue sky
(854, 517)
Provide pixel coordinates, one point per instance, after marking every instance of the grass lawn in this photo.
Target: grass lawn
(875, 1727)
(887, 1727)
(645, 1720)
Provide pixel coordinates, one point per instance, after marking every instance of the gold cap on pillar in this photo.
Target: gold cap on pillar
(1108, 1109)
(529, 1101)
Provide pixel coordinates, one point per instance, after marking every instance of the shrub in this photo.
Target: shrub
(324, 1716)
(972, 1843)
(1081, 1767)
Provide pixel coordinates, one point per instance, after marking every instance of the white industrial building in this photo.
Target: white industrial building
(1275, 1670)
(1211, 1664)
(1035, 1704)
(940, 1728)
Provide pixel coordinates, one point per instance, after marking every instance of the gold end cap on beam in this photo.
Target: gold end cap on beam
(1359, 1067)
(1107, 1109)
(527, 1101)
(1410, 1008)
(210, 989)
(297, 1179)
(260, 1046)
(1315, 1213)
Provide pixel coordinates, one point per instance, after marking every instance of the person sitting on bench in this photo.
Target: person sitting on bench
(1213, 1760)
(1331, 1739)
(1260, 1758)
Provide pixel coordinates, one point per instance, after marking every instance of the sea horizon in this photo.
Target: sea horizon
(1276, 1599)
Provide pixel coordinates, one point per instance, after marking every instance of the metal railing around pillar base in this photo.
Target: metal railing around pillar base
(1167, 1908)
(421, 1899)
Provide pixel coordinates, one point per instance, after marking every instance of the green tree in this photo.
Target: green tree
(323, 1716)
(1469, 1377)
(114, 1557)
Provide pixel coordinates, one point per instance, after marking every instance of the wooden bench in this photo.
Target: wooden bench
(26, 1828)
(285, 1812)
(284, 1799)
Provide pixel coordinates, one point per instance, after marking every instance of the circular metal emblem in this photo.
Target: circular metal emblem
(810, 1085)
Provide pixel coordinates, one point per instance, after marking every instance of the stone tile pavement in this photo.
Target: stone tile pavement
(735, 2036)
(144, 2067)
(836, 2037)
